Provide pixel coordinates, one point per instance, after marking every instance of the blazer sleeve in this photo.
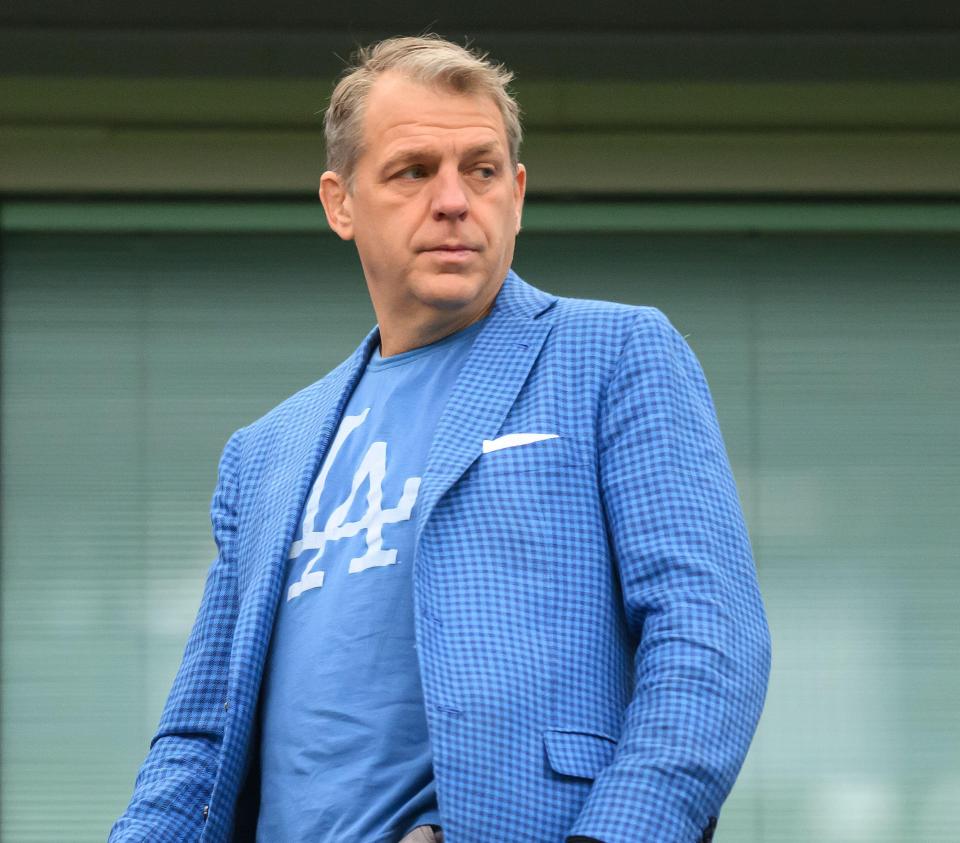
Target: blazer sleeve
(177, 777)
(690, 596)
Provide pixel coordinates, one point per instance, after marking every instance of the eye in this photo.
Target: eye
(485, 171)
(414, 171)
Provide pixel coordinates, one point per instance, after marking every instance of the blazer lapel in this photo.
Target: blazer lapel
(496, 368)
(301, 445)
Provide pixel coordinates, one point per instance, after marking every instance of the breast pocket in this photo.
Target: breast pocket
(544, 455)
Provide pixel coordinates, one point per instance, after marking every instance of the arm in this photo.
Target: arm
(690, 597)
(176, 778)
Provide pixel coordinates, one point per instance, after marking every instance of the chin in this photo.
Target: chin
(449, 291)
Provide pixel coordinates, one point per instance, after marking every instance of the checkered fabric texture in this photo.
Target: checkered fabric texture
(593, 645)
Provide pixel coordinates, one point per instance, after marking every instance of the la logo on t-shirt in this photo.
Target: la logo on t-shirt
(372, 468)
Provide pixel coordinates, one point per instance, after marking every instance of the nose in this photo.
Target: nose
(449, 198)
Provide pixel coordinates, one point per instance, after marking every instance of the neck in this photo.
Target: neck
(400, 337)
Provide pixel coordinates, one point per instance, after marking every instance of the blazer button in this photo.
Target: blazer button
(206, 811)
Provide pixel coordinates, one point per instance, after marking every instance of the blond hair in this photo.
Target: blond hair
(428, 60)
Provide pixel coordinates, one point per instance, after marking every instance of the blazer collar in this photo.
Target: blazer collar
(519, 300)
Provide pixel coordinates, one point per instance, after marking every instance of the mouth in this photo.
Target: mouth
(451, 252)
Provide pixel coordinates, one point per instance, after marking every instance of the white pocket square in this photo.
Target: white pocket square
(512, 440)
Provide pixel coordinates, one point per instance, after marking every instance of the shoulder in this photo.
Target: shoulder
(606, 330)
(607, 317)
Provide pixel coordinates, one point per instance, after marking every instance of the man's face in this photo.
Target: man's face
(435, 205)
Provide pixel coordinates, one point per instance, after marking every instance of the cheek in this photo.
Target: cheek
(388, 232)
(374, 240)
(506, 230)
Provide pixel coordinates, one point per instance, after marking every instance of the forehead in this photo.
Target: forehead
(400, 111)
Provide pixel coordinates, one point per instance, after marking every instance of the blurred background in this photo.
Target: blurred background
(783, 180)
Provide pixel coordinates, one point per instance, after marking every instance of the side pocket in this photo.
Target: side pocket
(580, 754)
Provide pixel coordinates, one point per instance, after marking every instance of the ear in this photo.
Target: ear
(519, 190)
(337, 203)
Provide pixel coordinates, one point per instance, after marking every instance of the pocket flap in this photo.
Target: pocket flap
(581, 754)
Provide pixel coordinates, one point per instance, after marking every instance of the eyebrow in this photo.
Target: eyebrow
(425, 152)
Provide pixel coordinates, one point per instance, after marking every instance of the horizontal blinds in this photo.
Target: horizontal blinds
(129, 359)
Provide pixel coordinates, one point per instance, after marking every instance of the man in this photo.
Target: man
(486, 581)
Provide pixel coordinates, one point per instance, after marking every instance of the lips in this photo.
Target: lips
(451, 254)
(451, 247)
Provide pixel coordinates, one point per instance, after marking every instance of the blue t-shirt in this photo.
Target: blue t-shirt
(345, 754)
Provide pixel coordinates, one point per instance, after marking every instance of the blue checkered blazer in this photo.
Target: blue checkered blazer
(594, 650)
